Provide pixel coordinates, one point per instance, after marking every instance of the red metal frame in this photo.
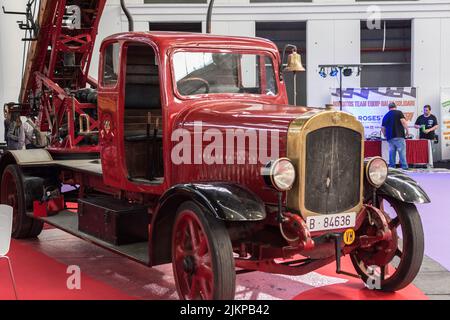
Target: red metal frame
(47, 76)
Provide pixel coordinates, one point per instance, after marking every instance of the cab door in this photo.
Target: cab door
(130, 113)
(109, 88)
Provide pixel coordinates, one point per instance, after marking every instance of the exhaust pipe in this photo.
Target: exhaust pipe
(128, 14)
(208, 16)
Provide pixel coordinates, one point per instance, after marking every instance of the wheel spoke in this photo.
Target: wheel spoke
(179, 254)
(203, 247)
(183, 232)
(394, 223)
(206, 293)
(205, 271)
(193, 235)
(398, 253)
(193, 288)
(383, 270)
(185, 285)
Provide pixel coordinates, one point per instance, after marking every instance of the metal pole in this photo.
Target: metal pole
(11, 275)
(340, 88)
(128, 14)
(295, 88)
(208, 16)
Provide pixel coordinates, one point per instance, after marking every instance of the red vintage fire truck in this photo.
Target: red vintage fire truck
(114, 148)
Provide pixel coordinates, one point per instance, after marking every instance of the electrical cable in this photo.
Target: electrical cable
(285, 236)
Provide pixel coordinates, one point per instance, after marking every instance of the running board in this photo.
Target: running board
(67, 221)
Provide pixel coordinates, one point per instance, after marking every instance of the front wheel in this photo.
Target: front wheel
(397, 268)
(202, 255)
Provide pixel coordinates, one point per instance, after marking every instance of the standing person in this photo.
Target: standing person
(427, 124)
(7, 120)
(393, 127)
(29, 129)
(16, 134)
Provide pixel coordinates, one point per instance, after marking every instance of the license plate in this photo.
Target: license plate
(331, 221)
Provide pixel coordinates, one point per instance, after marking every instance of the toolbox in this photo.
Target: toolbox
(115, 221)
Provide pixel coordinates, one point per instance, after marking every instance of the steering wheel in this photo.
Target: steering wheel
(201, 81)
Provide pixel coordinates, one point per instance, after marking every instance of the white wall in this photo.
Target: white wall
(109, 24)
(11, 49)
(330, 42)
(431, 61)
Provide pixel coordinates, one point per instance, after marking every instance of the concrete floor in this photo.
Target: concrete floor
(434, 280)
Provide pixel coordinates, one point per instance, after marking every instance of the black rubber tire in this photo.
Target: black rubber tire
(23, 226)
(221, 252)
(413, 248)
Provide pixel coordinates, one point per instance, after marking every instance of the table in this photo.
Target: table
(418, 151)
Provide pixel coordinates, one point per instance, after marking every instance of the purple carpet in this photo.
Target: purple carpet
(436, 215)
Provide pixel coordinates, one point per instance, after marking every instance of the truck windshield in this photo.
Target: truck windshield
(211, 72)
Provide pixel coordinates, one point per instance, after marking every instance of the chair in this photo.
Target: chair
(6, 217)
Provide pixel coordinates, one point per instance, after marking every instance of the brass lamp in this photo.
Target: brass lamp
(294, 65)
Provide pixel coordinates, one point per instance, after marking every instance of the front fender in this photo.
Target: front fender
(226, 201)
(402, 187)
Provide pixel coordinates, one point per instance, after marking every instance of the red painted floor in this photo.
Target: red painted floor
(40, 268)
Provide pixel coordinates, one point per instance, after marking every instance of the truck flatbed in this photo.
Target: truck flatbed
(92, 166)
(41, 157)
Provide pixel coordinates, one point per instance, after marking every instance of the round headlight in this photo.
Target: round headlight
(376, 171)
(282, 174)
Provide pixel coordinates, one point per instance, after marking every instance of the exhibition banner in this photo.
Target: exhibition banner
(445, 123)
(369, 105)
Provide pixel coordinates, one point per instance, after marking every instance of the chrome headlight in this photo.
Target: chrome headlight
(280, 174)
(376, 171)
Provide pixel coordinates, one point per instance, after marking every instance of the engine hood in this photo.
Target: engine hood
(242, 115)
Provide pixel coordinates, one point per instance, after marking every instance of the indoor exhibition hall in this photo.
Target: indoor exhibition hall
(248, 150)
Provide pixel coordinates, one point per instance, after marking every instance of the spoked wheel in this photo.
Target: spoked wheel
(12, 193)
(202, 256)
(398, 261)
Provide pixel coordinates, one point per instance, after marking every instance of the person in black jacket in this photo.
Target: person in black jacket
(394, 127)
(427, 124)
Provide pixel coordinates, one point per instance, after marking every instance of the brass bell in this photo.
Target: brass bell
(294, 63)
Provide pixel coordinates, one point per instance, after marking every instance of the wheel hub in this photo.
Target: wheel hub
(189, 264)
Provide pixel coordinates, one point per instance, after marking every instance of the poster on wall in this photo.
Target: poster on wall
(445, 123)
(369, 105)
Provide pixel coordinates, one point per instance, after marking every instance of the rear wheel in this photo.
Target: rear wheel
(202, 256)
(13, 194)
(397, 268)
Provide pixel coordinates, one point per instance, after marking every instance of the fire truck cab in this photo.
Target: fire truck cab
(143, 94)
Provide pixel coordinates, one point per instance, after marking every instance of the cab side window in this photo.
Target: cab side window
(111, 65)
